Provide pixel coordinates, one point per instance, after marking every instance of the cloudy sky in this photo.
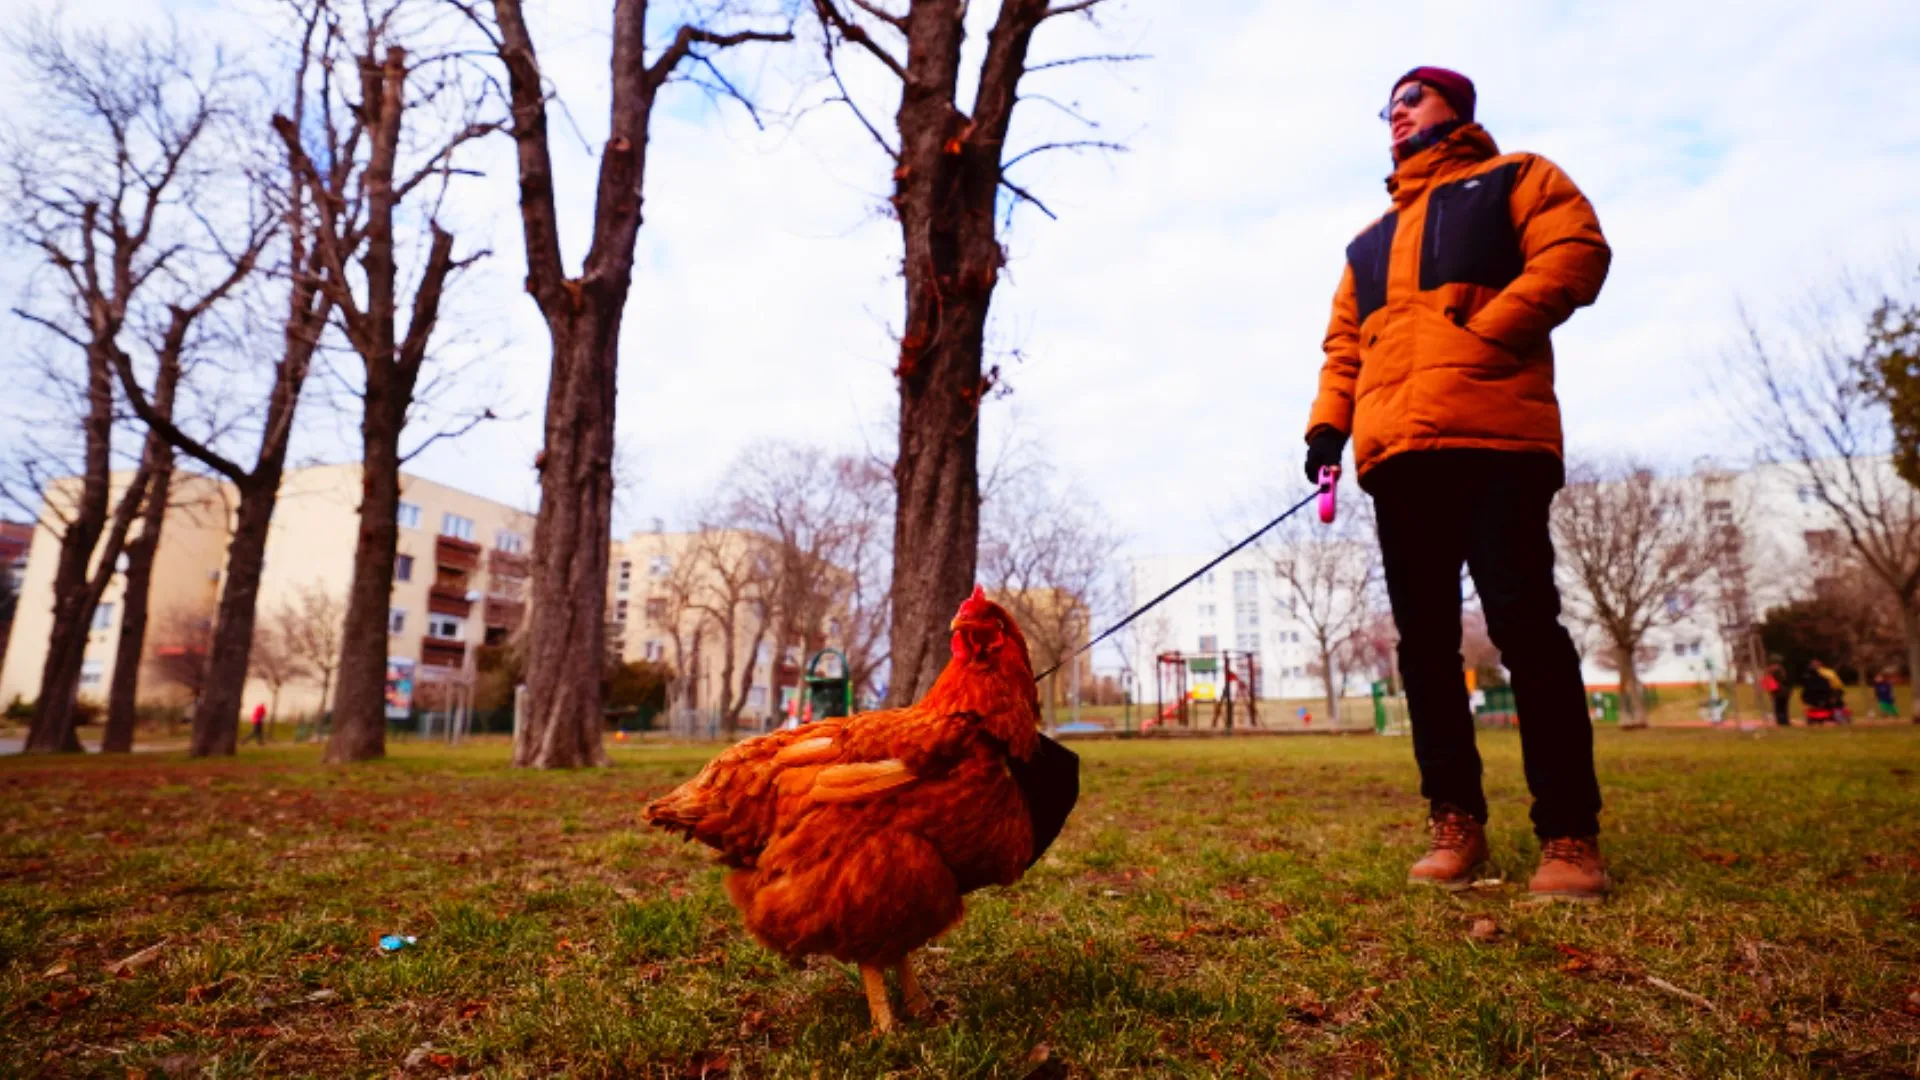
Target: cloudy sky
(1162, 337)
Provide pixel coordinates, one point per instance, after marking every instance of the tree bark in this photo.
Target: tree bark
(359, 715)
(216, 721)
(52, 727)
(1633, 705)
(1910, 623)
(946, 183)
(567, 625)
(122, 696)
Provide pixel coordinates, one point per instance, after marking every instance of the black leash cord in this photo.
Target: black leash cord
(1184, 582)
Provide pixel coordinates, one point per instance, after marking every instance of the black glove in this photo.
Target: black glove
(1323, 450)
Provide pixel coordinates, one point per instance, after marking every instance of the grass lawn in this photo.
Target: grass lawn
(1215, 907)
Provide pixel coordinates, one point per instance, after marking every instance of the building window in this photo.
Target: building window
(451, 627)
(1209, 643)
(619, 611)
(403, 568)
(407, 516)
(1247, 642)
(653, 650)
(102, 616)
(1822, 543)
(396, 620)
(1805, 493)
(510, 542)
(626, 575)
(1245, 583)
(460, 528)
(757, 697)
(659, 566)
(1205, 611)
(90, 673)
(657, 610)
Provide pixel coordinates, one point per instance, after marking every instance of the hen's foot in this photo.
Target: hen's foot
(878, 1007)
(914, 997)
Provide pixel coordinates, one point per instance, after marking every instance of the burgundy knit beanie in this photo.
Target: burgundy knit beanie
(1455, 87)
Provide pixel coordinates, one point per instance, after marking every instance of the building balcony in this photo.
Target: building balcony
(506, 564)
(504, 612)
(455, 553)
(442, 652)
(449, 600)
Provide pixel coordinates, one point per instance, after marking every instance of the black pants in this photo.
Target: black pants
(1437, 510)
(1780, 702)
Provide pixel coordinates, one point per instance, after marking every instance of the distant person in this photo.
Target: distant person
(1775, 684)
(1836, 693)
(1883, 694)
(1438, 365)
(1816, 695)
(259, 724)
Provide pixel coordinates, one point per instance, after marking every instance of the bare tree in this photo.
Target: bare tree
(117, 191)
(1047, 556)
(567, 642)
(274, 661)
(1821, 402)
(1634, 548)
(311, 626)
(277, 205)
(157, 457)
(1328, 576)
(733, 578)
(950, 169)
(180, 652)
(359, 156)
(867, 559)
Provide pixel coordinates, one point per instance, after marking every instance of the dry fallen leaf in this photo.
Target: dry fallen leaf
(1484, 929)
(59, 968)
(138, 960)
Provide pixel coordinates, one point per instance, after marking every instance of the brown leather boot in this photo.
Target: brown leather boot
(1570, 869)
(1459, 846)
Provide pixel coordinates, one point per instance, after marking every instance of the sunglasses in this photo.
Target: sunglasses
(1410, 97)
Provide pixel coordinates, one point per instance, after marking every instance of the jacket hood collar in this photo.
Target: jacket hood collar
(1466, 146)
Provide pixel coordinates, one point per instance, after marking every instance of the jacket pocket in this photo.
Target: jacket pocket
(1469, 237)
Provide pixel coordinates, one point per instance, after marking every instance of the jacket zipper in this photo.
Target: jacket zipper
(1432, 243)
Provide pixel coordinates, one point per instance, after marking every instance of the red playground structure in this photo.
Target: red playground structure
(1182, 681)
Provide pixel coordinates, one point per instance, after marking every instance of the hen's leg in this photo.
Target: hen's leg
(915, 998)
(878, 1007)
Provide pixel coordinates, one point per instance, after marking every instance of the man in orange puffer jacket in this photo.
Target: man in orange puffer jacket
(1438, 364)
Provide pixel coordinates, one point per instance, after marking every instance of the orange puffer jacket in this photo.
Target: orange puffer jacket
(1439, 331)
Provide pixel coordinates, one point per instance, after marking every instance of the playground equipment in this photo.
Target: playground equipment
(1184, 680)
(828, 695)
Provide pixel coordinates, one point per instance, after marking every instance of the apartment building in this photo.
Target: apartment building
(460, 581)
(667, 595)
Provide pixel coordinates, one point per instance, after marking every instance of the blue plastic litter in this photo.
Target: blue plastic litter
(396, 942)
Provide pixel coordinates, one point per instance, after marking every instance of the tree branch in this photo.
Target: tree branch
(850, 30)
(1078, 144)
(472, 422)
(689, 36)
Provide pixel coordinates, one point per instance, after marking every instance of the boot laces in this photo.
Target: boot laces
(1452, 832)
(1570, 849)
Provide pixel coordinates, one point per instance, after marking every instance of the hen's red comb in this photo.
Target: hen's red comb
(975, 606)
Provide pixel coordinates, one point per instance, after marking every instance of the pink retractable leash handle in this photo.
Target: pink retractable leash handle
(1329, 478)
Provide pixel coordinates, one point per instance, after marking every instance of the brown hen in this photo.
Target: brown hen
(857, 837)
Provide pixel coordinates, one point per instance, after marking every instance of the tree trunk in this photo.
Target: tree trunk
(1333, 695)
(1910, 623)
(1633, 704)
(567, 631)
(216, 719)
(936, 529)
(123, 694)
(360, 715)
(52, 727)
